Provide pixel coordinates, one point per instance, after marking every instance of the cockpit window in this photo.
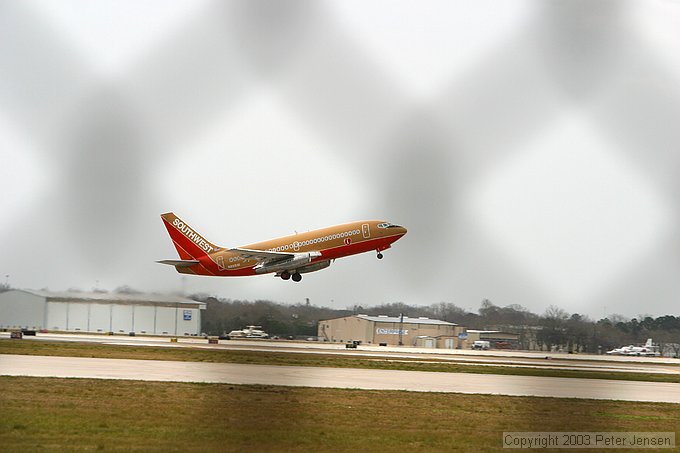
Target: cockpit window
(388, 225)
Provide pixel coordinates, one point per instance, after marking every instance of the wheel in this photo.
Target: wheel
(297, 277)
(380, 256)
(285, 275)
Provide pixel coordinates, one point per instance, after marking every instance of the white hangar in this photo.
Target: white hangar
(100, 312)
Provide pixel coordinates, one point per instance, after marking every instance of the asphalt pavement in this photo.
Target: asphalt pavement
(420, 381)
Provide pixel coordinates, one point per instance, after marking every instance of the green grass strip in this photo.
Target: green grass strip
(73, 349)
(50, 414)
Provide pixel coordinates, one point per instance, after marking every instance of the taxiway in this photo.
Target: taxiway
(492, 358)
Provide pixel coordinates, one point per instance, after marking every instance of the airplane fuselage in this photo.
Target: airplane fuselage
(313, 250)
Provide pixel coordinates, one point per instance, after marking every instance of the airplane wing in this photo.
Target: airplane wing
(179, 263)
(262, 256)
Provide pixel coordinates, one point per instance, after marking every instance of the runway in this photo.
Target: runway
(420, 381)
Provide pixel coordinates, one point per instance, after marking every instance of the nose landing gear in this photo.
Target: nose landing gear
(380, 256)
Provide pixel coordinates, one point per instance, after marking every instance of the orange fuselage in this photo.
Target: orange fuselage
(329, 243)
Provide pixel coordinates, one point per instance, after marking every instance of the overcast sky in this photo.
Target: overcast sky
(530, 147)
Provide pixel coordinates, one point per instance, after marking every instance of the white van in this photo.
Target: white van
(481, 344)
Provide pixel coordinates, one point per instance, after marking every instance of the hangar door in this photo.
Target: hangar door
(78, 316)
(100, 318)
(166, 320)
(121, 318)
(145, 318)
(57, 315)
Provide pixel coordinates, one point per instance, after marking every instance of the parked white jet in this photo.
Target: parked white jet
(647, 350)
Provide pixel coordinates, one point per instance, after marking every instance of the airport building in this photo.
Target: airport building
(100, 312)
(391, 330)
(496, 338)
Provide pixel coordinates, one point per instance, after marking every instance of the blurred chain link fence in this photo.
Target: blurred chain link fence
(420, 157)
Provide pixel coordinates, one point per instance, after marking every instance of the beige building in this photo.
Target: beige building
(496, 339)
(390, 330)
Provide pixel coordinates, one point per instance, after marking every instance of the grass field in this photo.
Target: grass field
(53, 348)
(50, 414)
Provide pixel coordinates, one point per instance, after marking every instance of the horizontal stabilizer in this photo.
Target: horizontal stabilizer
(179, 263)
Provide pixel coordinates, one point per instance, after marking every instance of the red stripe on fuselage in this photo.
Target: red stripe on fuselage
(354, 248)
(358, 247)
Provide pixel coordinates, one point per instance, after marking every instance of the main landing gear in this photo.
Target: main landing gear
(285, 275)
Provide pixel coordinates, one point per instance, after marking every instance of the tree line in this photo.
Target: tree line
(555, 329)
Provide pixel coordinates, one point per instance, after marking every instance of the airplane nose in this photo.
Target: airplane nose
(403, 231)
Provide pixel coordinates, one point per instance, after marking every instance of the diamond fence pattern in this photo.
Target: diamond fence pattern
(420, 158)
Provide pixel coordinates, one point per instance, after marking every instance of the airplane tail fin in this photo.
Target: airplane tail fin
(189, 244)
(649, 343)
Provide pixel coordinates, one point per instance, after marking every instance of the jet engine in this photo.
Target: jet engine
(314, 267)
(297, 261)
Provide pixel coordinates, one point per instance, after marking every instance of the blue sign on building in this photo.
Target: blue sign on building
(187, 315)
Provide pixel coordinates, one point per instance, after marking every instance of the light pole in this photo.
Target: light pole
(401, 329)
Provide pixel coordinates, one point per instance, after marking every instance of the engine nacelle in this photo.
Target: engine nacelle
(314, 267)
(297, 261)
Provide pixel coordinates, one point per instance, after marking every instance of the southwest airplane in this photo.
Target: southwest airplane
(289, 256)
